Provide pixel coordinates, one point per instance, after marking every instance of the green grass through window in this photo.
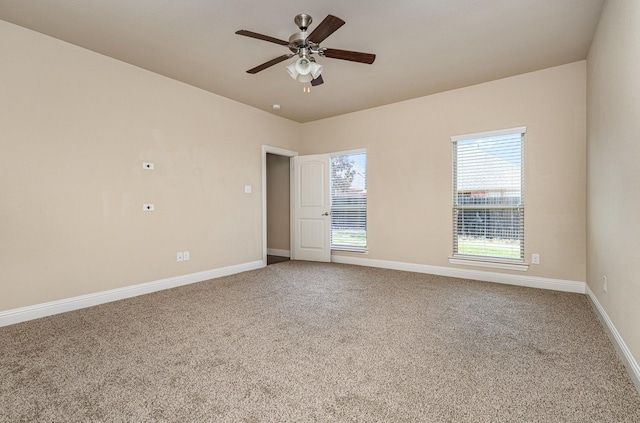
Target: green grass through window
(349, 237)
(500, 248)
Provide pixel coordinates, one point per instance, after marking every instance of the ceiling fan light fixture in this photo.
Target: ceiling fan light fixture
(303, 65)
(291, 69)
(304, 69)
(316, 69)
(305, 78)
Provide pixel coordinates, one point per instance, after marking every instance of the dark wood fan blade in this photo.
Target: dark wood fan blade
(353, 56)
(262, 37)
(270, 63)
(317, 81)
(327, 27)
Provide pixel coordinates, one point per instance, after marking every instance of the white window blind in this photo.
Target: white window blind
(349, 202)
(488, 200)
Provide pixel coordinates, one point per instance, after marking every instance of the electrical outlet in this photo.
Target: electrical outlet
(179, 256)
(247, 189)
(148, 207)
(186, 256)
(535, 258)
(604, 283)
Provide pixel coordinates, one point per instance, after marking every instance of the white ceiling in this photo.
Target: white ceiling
(422, 46)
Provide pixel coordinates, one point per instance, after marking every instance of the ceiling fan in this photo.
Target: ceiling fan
(305, 45)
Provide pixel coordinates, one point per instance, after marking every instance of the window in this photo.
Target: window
(349, 201)
(488, 201)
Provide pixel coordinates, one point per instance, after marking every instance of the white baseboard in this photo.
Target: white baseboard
(627, 358)
(277, 252)
(504, 278)
(23, 314)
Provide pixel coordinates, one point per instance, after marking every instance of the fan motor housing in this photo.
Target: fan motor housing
(298, 41)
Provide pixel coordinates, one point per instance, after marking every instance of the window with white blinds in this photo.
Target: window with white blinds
(488, 200)
(349, 201)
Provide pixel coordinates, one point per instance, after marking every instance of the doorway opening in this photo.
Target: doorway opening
(276, 166)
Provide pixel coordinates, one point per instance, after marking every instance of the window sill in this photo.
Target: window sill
(349, 250)
(496, 264)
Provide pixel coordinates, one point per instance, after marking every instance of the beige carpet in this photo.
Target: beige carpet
(305, 342)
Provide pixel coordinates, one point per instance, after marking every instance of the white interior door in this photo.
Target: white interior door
(311, 221)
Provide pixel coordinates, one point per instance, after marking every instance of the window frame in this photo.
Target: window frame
(344, 247)
(518, 264)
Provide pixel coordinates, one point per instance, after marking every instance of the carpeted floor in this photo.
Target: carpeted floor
(301, 342)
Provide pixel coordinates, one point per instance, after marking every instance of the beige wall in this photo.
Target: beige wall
(278, 204)
(613, 187)
(75, 128)
(409, 165)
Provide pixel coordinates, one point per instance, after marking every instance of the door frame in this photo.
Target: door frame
(266, 149)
